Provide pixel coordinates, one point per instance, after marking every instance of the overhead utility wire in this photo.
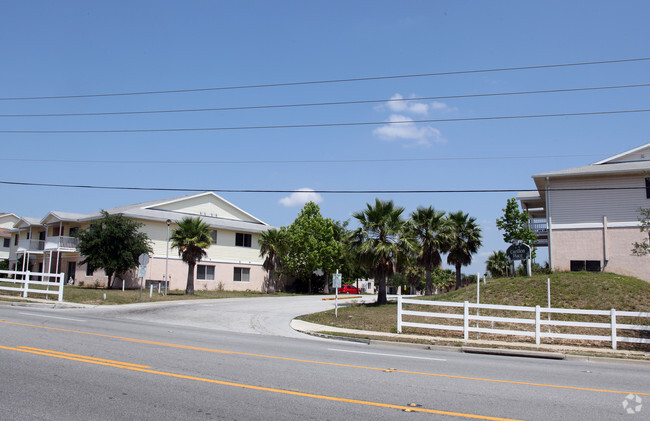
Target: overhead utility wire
(319, 104)
(17, 183)
(314, 82)
(296, 161)
(296, 126)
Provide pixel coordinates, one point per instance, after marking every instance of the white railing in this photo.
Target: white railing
(31, 245)
(56, 243)
(612, 325)
(27, 280)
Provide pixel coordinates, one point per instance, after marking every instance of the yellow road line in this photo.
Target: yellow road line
(84, 357)
(219, 351)
(134, 367)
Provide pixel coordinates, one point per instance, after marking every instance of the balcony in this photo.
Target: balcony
(61, 243)
(31, 245)
(540, 228)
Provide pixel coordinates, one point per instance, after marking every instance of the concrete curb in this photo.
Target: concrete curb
(513, 353)
(339, 334)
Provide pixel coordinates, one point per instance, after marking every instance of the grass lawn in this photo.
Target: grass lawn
(568, 290)
(91, 295)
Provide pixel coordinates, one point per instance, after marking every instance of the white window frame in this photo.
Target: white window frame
(244, 274)
(244, 236)
(203, 273)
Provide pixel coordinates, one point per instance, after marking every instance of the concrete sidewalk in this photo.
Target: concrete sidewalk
(554, 351)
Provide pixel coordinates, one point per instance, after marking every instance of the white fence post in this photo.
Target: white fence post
(26, 284)
(61, 282)
(466, 320)
(537, 325)
(613, 329)
(399, 314)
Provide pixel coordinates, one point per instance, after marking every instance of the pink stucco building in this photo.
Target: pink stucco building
(233, 262)
(587, 216)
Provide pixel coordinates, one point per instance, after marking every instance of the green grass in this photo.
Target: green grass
(91, 295)
(568, 290)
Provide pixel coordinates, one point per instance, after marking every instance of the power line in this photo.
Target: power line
(330, 103)
(296, 161)
(314, 82)
(17, 183)
(296, 126)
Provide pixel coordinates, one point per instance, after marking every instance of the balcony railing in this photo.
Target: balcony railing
(31, 245)
(539, 227)
(57, 243)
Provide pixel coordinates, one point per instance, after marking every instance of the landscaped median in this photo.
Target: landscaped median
(568, 290)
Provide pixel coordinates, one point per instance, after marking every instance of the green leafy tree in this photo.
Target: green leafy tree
(312, 245)
(515, 226)
(191, 238)
(443, 279)
(114, 244)
(642, 248)
(380, 241)
(497, 264)
(430, 229)
(4, 264)
(352, 268)
(464, 241)
(272, 248)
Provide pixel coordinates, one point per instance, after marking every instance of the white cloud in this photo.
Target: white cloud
(300, 197)
(399, 105)
(422, 135)
(439, 105)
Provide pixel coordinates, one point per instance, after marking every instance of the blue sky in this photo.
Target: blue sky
(79, 48)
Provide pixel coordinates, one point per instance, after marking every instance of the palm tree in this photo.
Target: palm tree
(272, 246)
(497, 264)
(380, 241)
(429, 227)
(191, 238)
(464, 240)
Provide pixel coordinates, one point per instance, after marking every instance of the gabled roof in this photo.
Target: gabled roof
(635, 160)
(153, 211)
(27, 221)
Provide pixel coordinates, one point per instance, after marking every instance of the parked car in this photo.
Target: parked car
(349, 289)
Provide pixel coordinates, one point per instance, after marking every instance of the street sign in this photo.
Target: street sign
(336, 280)
(143, 259)
(142, 271)
(518, 252)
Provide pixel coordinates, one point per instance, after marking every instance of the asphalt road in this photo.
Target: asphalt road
(178, 362)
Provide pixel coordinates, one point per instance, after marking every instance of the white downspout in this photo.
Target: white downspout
(604, 243)
(548, 223)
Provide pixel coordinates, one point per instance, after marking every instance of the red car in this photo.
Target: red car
(349, 289)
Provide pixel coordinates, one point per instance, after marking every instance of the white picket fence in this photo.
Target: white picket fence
(25, 282)
(538, 321)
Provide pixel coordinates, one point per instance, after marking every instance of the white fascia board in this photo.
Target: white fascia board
(592, 225)
(612, 158)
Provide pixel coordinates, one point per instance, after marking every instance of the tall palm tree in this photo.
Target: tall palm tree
(429, 228)
(191, 238)
(465, 240)
(273, 247)
(380, 241)
(497, 264)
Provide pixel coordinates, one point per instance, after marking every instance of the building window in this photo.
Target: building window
(16, 240)
(205, 273)
(242, 275)
(585, 265)
(242, 240)
(647, 187)
(89, 270)
(74, 231)
(213, 235)
(6, 242)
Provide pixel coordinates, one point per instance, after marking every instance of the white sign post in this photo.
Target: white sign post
(336, 284)
(143, 259)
